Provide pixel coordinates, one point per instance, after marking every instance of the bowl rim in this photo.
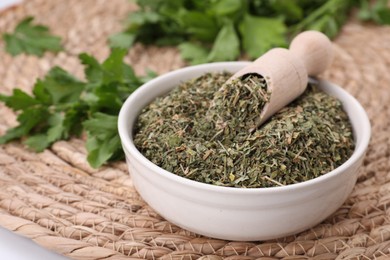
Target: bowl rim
(128, 144)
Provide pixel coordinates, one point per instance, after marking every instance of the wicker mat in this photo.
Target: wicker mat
(58, 201)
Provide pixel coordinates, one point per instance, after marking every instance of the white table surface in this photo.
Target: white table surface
(7, 3)
(13, 246)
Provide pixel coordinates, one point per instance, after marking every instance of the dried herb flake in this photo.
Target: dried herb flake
(191, 133)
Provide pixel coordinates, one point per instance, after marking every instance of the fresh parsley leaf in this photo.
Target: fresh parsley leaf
(112, 70)
(31, 39)
(194, 53)
(384, 15)
(62, 106)
(56, 130)
(150, 74)
(59, 87)
(92, 69)
(121, 40)
(364, 11)
(115, 70)
(260, 34)
(50, 113)
(378, 12)
(110, 83)
(30, 119)
(325, 16)
(289, 10)
(326, 24)
(226, 45)
(199, 26)
(19, 100)
(103, 141)
(38, 142)
(143, 17)
(226, 7)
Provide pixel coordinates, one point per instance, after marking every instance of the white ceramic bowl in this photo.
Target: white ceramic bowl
(238, 213)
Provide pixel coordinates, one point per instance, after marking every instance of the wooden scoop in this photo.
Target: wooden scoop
(286, 71)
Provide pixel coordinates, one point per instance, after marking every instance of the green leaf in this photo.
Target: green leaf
(62, 106)
(103, 141)
(41, 94)
(60, 86)
(150, 74)
(105, 98)
(327, 25)
(19, 100)
(139, 18)
(198, 24)
(92, 68)
(121, 40)
(226, 7)
(114, 68)
(261, 34)
(50, 114)
(101, 125)
(109, 83)
(288, 9)
(57, 129)
(378, 12)
(74, 115)
(226, 46)
(364, 13)
(37, 143)
(194, 53)
(101, 151)
(31, 39)
(384, 15)
(28, 119)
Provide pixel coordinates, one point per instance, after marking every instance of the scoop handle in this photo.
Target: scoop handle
(286, 71)
(315, 51)
(310, 54)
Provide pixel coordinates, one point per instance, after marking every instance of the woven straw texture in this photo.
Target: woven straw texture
(58, 201)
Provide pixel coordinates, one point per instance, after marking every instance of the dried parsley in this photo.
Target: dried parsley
(185, 133)
(236, 107)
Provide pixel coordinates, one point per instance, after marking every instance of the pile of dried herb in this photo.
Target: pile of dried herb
(180, 133)
(236, 107)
